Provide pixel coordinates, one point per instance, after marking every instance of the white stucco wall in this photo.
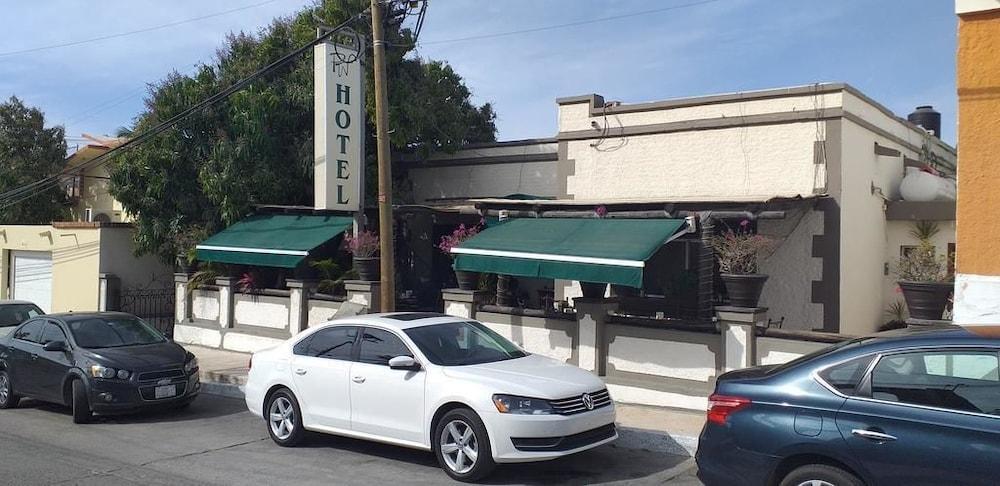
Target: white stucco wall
(262, 311)
(205, 305)
(792, 269)
(321, 311)
(673, 356)
(117, 257)
(548, 342)
(776, 351)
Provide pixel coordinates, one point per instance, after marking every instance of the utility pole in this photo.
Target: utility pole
(385, 222)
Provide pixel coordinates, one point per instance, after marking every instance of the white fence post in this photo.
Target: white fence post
(739, 334)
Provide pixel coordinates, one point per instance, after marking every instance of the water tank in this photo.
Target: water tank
(928, 118)
(918, 185)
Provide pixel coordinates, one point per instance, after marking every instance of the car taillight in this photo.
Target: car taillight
(720, 407)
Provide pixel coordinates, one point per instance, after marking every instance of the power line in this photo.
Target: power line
(133, 32)
(30, 190)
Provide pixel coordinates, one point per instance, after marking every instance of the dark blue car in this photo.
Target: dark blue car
(907, 407)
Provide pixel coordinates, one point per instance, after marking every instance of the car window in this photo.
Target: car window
(14, 314)
(379, 346)
(112, 332)
(51, 332)
(463, 343)
(845, 376)
(30, 331)
(961, 380)
(332, 343)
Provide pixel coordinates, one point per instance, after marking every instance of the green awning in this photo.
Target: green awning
(589, 250)
(272, 240)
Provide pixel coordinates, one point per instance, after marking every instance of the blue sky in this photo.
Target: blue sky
(899, 52)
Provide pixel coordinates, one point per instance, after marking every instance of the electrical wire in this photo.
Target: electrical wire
(27, 191)
(133, 32)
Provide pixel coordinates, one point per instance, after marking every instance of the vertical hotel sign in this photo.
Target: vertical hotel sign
(339, 123)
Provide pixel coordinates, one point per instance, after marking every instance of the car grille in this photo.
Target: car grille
(567, 443)
(157, 375)
(574, 405)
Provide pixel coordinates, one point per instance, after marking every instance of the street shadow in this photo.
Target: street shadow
(203, 407)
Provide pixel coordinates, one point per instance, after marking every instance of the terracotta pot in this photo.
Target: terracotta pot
(593, 290)
(368, 268)
(467, 280)
(743, 289)
(926, 300)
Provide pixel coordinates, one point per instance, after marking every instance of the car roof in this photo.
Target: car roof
(16, 302)
(76, 316)
(946, 335)
(398, 320)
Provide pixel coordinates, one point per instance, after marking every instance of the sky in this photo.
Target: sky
(899, 52)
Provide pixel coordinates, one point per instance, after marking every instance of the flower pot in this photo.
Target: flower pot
(367, 268)
(467, 280)
(926, 300)
(743, 289)
(593, 290)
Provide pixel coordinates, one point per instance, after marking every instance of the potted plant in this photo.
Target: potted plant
(363, 248)
(923, 275)
(738, 252)
(466, 280)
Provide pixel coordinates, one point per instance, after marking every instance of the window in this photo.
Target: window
(845, 376)
(30, 331)
(332, 343)
(112, 332)
(462, 343)
(14, 314)
(379, 346)
(958, 380)
(51, 332)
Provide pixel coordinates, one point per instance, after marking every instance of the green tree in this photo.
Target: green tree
(28, 152)
(257, 147)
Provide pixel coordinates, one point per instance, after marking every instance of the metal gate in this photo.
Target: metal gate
(155, 306)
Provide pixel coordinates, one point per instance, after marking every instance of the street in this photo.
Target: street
(216, 441)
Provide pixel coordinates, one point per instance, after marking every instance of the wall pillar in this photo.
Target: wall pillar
(977, 279)
(591, 315)
(109, 292)
(462, 303)
(298, 304)
(739, 335)
(226, 300)
(182, 298)
(364, 293)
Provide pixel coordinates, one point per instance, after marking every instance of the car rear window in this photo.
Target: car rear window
(844, 377)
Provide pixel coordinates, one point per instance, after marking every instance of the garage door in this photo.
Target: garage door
(33, 277)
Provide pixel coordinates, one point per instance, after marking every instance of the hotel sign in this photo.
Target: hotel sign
(339, 123)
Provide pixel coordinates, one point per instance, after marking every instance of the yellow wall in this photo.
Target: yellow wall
(979, 143)
(75, 262)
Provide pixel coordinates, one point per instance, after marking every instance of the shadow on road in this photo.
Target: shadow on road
(200, 408)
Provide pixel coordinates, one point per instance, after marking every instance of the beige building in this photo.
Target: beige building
(833, 157)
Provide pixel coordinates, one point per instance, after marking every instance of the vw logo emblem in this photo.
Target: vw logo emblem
(588, 401)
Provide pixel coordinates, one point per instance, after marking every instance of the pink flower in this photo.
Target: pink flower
(601, 211)
(745, 223)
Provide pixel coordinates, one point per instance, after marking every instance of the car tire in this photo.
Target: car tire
(452, 450)
(8, 399)
(287, 431)
(81, 403)
(824, 474)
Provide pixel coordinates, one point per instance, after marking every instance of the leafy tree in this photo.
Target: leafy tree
(257, 147)
(28, 152)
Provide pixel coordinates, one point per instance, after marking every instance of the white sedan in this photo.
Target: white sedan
(431, 382)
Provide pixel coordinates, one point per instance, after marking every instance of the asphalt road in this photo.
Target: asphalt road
(216, 441)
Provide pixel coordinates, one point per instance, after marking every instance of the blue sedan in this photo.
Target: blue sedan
(914, 407)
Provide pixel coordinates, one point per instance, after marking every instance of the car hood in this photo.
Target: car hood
(533, 376)
(144, 357)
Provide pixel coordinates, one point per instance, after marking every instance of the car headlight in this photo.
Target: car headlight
(98, 371)
(191, 365)
(522, 405)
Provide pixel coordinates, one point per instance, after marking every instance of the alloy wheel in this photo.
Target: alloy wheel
(282, 418)
(815, 482)
(459, 446)
(4, 389)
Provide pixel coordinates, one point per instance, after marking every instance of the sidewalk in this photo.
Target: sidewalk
(654, 429)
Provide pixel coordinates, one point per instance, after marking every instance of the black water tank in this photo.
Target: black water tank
(928, 118)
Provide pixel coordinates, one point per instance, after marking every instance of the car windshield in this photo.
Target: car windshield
(14, 314)
(113, 332)
(463, 343)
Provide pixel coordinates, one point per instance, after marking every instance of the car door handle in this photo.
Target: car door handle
(300, 371)
(873, 435)
(358, 379)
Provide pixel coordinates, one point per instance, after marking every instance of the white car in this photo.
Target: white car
(431, 382)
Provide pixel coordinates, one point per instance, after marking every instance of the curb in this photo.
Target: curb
(628, 437)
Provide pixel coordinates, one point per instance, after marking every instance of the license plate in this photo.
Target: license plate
(165, 391)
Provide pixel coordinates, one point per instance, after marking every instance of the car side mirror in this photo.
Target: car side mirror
(404, 363)
(55, 346)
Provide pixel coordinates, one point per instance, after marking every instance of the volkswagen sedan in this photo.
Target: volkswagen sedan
(431, 382)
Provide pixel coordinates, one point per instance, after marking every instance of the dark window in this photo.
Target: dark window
(378, 347)
(302, 347)
(31, 331)
(112, 332)
(332, 343)
(958, 380)
(462, 343)
(51, 332)
(14, 314)
(846, 376)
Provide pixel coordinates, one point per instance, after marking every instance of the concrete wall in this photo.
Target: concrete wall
(555, 338)
(205, 305)
(261, 311)
(117, 257)
(777, 350)
(321, 311)
(480, 181)
(792, 269)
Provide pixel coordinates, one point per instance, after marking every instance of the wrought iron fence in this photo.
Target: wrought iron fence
(155, 306)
